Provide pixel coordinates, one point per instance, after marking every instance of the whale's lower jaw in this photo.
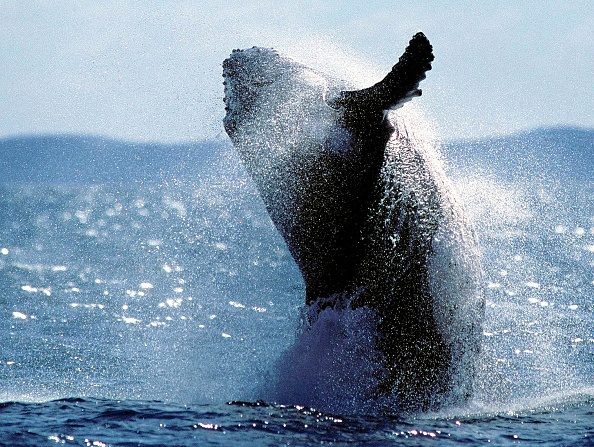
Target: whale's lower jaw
(251, 74)
(237, 97)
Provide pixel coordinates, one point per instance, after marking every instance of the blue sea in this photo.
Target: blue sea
(157, 312)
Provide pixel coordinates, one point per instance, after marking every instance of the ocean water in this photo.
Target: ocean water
(157, 314)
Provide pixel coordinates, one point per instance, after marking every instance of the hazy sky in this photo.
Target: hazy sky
(151, 70)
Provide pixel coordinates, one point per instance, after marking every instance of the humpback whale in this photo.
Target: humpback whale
(366, 212)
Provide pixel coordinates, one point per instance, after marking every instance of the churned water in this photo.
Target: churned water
(137, 314)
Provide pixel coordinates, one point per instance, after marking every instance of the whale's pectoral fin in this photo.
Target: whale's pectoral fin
(398, 87)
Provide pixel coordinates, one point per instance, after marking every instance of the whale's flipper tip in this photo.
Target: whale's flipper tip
(399, 86)
(417, 56)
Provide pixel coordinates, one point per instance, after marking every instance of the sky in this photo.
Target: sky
(151, 70)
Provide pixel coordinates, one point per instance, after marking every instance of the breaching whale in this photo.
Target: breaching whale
(366, 212)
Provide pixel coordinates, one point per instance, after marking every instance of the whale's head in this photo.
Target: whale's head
(267, 93)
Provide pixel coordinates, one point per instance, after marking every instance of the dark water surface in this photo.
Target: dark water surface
(128, 423)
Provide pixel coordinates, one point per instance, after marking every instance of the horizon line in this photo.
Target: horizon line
(217, 138)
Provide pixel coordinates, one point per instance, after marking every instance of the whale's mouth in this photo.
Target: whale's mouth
(261, 79)
(236, 98)
(247, 74)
